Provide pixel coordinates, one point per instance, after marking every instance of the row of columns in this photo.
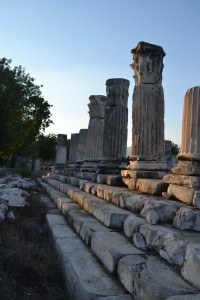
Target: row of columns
(106, 136)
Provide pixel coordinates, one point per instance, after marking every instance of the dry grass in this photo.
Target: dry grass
(28, 266)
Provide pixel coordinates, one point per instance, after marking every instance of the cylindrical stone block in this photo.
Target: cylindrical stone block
(61, 151)
(73, 147)
(96, 127)
(116, 119)
(190, 145)
(81, 151)
(148, 122)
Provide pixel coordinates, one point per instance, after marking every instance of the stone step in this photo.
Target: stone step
(154, 209)
(108, 214)
(109, 246)
(84, 277)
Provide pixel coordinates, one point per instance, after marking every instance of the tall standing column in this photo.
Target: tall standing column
(146, 161)
(148, 102)
(61, 153)
(73, 147)
(95, 132)
(185, 180)
(116, 119)
(81, 150)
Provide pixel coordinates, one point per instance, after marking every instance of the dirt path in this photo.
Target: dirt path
(28, 267)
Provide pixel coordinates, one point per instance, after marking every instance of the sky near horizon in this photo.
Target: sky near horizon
(73, 46)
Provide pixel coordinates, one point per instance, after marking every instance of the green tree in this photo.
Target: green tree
(24, 113)
(46, 146)
(175, 149)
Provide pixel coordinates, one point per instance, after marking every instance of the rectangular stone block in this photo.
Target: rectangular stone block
(147, 277)
(188, 181)
(151, 186)
(88, 228)
(84, 277)
(110, 247)
(182, 193)
(187, 168)
(143, 174)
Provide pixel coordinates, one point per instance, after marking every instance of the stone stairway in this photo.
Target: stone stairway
(132, 246)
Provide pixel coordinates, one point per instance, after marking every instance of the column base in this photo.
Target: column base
(187, 168)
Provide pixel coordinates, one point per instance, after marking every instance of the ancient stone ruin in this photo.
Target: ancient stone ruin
(61, 153)
(146, 233)
(94, 144)
(184, 183)
(147, 117)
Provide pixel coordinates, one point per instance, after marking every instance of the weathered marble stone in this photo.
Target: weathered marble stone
(148, 63)
(196, 199)
(132, 225)
(187, 219)
(170, 243)
(150, 278)
(81, 150)
(109, 247)
(95, 133)
(188, 181)
(190, 270)
(187, 168)
(148, 103)
(151, 186)
(130, 182)
(116, 119)
(159, 212)
(139, 242)
(142, 174)
(73, 147)
(61, 151)
(182, 193)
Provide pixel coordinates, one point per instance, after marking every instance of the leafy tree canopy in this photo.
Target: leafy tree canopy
(175, 149)
(46, 146)
(24, 113)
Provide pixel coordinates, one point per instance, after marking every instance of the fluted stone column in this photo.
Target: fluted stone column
(73, 147)
(147, 152)
(148, 102)
(116, 119)
(185, 180)
(61, 152)
(190, 145)
(81, 150)
(95, 132)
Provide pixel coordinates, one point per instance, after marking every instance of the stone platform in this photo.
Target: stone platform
(148, 245)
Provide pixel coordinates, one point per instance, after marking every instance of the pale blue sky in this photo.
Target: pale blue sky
(73, 46)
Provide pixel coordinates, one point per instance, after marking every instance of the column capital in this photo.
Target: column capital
(148, 63)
